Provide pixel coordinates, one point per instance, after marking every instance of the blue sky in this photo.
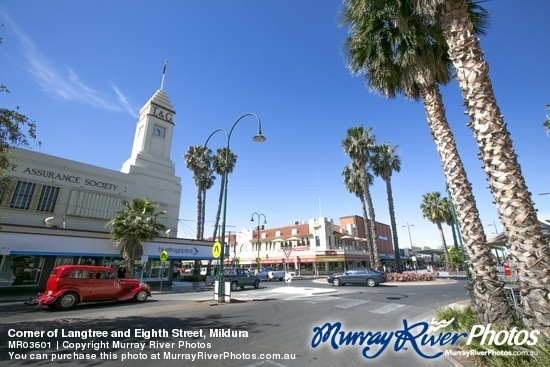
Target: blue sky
(82, 71)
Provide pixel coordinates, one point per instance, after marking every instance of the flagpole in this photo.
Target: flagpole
(163, 74)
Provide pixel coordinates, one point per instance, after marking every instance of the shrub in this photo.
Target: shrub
(465, 319)
(409, 277)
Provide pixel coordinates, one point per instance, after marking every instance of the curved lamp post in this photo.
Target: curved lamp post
(409, 230)
(410, 240)
(257, 138)
(265, 221)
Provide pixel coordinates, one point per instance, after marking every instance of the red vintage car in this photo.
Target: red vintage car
(69, 285)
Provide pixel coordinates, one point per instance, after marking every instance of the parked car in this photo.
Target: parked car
(268, 274)
(69, 285)
(365, 276)
(189, 271)
(238, 277)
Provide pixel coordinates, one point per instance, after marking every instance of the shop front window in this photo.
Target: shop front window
(154, 269)
(19, 270)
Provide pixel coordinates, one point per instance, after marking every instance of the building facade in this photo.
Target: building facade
(56, 209)
(315, 247)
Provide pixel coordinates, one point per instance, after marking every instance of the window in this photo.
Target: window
(105, 275)
(22, 195)
(48, 198)
(82, 274)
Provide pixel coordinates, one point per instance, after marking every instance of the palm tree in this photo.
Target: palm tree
(352, 181)
(516, 211)
(224, 160)
(400, 54)
(384, 163)
(207, 182)
(198, 160)
(136, 223)
(358, 145)
(434, 209)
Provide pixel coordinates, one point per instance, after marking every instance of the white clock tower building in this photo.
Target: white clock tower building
(153, 138)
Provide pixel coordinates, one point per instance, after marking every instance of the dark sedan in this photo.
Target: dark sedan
(365, 276)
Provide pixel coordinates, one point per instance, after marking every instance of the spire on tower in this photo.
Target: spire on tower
(163, 74)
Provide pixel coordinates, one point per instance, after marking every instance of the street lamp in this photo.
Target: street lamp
(413, 257)
(265, 222)
(493, 225)
(257, 138)
(409, 229)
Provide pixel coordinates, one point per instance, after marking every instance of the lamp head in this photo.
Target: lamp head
(259, 138)
(48, 222)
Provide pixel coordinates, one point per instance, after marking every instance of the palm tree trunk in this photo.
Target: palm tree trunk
(219, 211)
(488, 298)
(444, 243)
(199, 213)
(367, 230)
(203, 213)
(528, 246)
(391, 209)
(371, 222)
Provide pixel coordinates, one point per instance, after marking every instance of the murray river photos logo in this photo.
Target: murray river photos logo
(418, 337)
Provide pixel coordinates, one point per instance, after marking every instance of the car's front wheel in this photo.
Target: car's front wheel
(336, 282)
(257, 284)
(67, 301)
(371, 282)
(233, 286)
(141, 296)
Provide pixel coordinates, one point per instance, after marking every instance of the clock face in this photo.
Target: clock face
(159, 131)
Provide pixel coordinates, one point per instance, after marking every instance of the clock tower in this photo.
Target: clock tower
(153, 138)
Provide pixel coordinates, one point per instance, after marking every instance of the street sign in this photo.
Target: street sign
(216, 250)
(163, 255)
(287, 251)
(144, 258)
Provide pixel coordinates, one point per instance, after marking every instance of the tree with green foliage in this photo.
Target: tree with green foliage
(528, 246)
(138, 222)
(434, 209)
(199, 161)
(223, 161)
(358, 145)
(401, 52)
(353, 182)
(15, 131)
(386, 161)
(456, 258)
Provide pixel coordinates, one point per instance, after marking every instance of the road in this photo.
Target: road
(268, 324)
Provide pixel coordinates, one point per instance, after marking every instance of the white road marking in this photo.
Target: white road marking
(387, 308)
(353, 303)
